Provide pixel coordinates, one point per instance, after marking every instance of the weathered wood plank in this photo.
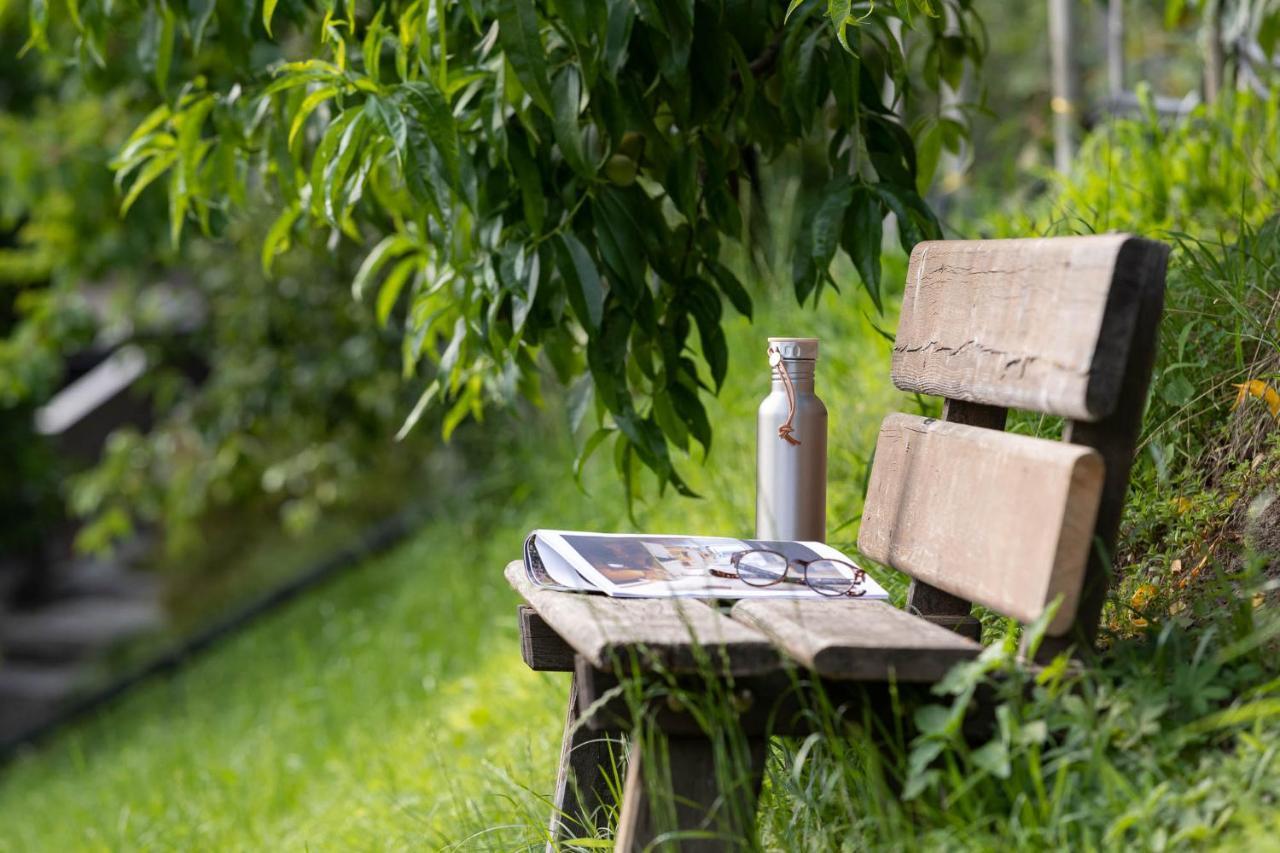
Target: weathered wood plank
(1115, 438)
(540, 646)
(939, 607)
(1041, 324)
(1003, 520)
(683, 635)
(585, 778)
(858, 640)
(711, 814)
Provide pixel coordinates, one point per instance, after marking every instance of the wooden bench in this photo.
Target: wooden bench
(1062, 326)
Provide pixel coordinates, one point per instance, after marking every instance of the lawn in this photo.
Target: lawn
(390, 708)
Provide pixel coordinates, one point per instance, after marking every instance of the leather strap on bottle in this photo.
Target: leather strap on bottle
(785, 431)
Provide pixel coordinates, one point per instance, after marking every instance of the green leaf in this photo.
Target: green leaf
(621, 247)
(933, 719)
(388, 247)
(432, 109)
(529, 179)
(334, 172)
(622, 18)
(307, 107)
(386, 113)
(268, 12)
(673, 19)
(154, 169)
(567, 94)
(928, 153)
(164, 47)
(325, 154)
(521, 42)
(704, 304)
(694, 414)
(582, 281)
(38, 24)
(730, 286)
(827, 218)
(993, 757)
(672, 426)
(371, 48)
(588, 448)
(607, 360)
(419, 407)
(840, 12)
(524, 291)
(393, 284)
(277, 239)
(862, 236)
(915, 221)
(200, 12)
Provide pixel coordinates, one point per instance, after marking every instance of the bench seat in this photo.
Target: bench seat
(852, 640)
(677, 634)
(847, 640)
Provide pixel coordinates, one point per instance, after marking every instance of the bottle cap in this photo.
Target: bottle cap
(806, 348)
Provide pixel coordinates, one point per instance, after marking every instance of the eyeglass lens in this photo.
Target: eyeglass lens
(762, 568)
(831, 577)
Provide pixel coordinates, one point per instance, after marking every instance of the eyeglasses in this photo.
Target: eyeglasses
(761, 567)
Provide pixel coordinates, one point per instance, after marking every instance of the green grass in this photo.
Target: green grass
(391, 707)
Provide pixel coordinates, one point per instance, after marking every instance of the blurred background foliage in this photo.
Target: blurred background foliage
(268, 398)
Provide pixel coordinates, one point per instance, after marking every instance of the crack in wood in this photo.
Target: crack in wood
(1022, 360)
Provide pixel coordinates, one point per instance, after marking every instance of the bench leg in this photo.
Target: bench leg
(692, 795)
(583, 791)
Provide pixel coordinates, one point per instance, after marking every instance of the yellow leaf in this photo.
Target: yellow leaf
(1142, 596)
(1182, 505)
(1259, 599)
(1139, 622)
(1260, 390)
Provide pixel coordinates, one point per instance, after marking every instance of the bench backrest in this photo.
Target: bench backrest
(1062, 326)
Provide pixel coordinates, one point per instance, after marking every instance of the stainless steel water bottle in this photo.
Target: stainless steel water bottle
(791, 447)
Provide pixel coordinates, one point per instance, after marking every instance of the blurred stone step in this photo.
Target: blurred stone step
(75, 628)
(106, 577)
(31, 694)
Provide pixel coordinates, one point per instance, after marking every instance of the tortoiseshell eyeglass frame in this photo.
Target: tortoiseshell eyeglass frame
(855, 589)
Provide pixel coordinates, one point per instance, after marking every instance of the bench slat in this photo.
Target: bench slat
(999, 519)
(1039, 324)
(541, 647)
(858, 640)
(675, 633)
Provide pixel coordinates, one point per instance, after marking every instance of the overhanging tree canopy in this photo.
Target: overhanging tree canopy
(553, 177)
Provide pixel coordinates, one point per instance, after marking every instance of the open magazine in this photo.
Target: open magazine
(658, 566)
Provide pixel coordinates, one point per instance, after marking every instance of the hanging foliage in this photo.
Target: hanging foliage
(543, 181)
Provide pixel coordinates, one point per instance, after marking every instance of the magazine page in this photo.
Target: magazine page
(547, 569)
(664, 566)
